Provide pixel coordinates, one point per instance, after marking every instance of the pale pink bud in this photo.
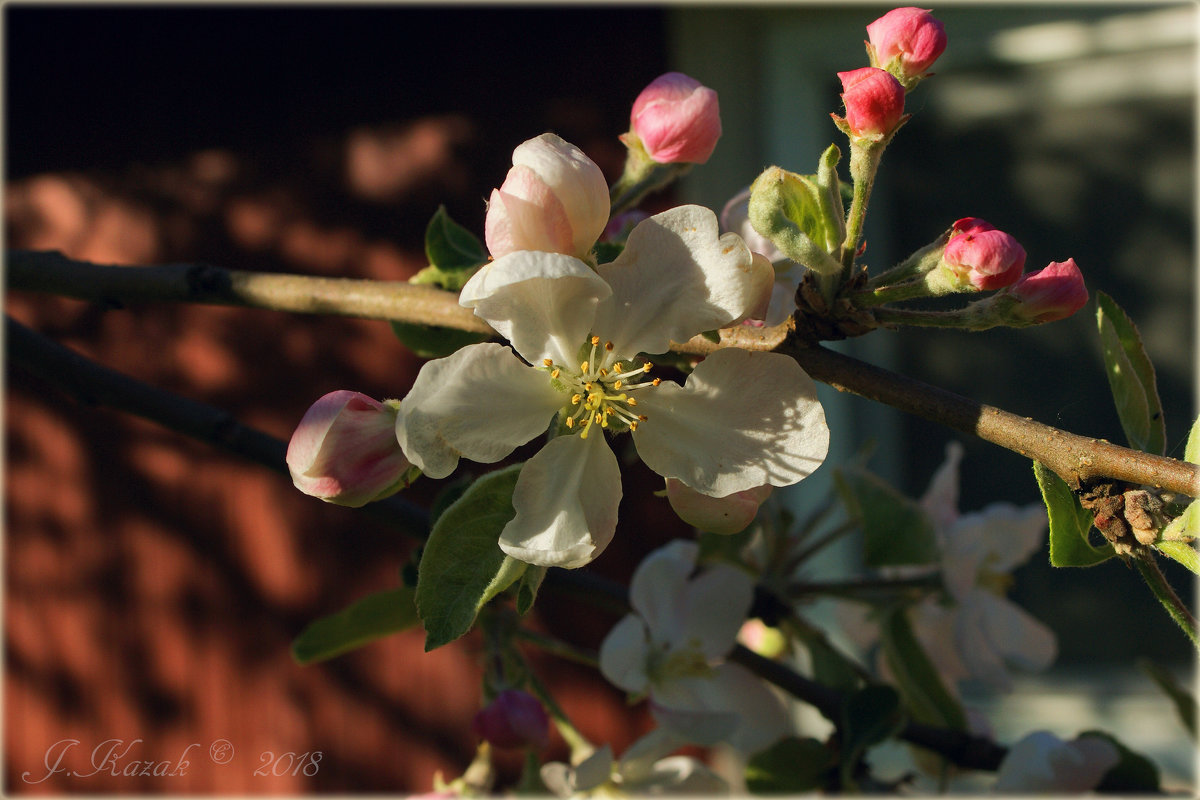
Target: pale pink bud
(906, 42)
(1053, 293)
(554, 199)
(344, 451)
(874, 102)
(982, 256)
(513, 719)
(677, 119)
(730, 514)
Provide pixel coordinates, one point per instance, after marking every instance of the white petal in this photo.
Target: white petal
(637, 762)
(941, 498)
(594, 770)
(686, 717)
(743, 419)
(1018, 637)
(479, 403)
(716, 602)
(704, 705)
(566, 501)
(624, 653)
(658, 586)
(676, 278)
(543, 303)
(679, 775)
(1009, 534)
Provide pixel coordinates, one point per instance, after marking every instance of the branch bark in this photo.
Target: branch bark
(1076, 459)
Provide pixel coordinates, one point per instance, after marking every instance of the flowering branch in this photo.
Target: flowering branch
(1076, 459)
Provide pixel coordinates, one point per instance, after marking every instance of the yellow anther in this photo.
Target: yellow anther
(603, 373)
(595, 340)
(609, 410)
(632, 401)
(575, 398)
(548, 362)
(646, 367)
(617, 385)
(633, 426)
(587, 387)
(598, 418)
(570, 422)
(555, 373)
(617, 367)
(608, 346)
(656, 382)
(583, 367)
(643, 417)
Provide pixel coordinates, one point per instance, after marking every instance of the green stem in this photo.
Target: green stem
(559, 648)
(890, 294)
(635, 184)
(864, 163)
(926, 319)
(856, 588)
(1147, 567)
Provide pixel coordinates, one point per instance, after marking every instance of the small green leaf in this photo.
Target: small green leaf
(1183, 552)
(527, 588)
(433, 341)
(896, 530)
(1191, 451)
(1133, 774)
(790, 766)
(869, 716)
(1184, 702)
(925, 695)
(370, 618)
(1131, 378)
(463, 566)
(454, 253)
(789, 210)
(1069, 523)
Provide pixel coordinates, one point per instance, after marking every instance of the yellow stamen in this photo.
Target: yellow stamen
(646, 367)
(555, 373)
(547, 362)
(656, 382)
(632, 401)
(633, 426)
(595, 340)
(575, 398)
(570, 422)
(617, 368)
(617, 385)
(583, 367)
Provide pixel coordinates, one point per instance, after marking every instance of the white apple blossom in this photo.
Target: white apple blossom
(672, 648)
(741, 420)
(647, 768)
(979, 550)
(1041, 763)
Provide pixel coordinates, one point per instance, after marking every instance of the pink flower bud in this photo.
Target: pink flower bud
(977, 255)
(1053, 293)
(513, 719)
(345, 451)
(677, 120)
(906, 42)
(874, 102)
(554, 199)
(730, 514)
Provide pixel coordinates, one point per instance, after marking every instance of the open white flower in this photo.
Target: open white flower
(647, 768)
(671, 648)
(1041, 763)
(979, 550)
(743, 419)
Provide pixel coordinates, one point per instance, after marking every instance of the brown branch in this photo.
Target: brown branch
(1076, 459)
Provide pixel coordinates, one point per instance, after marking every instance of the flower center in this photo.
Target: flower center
(601, 389)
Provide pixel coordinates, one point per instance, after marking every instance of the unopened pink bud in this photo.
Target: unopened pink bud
(513, 719)
(1053, 293)
(874, 102)
(980, 256)
(345, 451)
(906, 42)
(677, 119)
(554, 199)
(730, 514)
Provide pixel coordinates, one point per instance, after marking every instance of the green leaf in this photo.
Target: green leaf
(527, 588)
(1191, 451)
(1070, 523)
(1133, 774)
(869, 716)
(463, 566)
(454, 253)
(1131, 378)
(925, 695)
(1184, 702)
(373, 617)
(790, 210)
(433, 341)
(1182, 552)
(896, 530)
(790, 766)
